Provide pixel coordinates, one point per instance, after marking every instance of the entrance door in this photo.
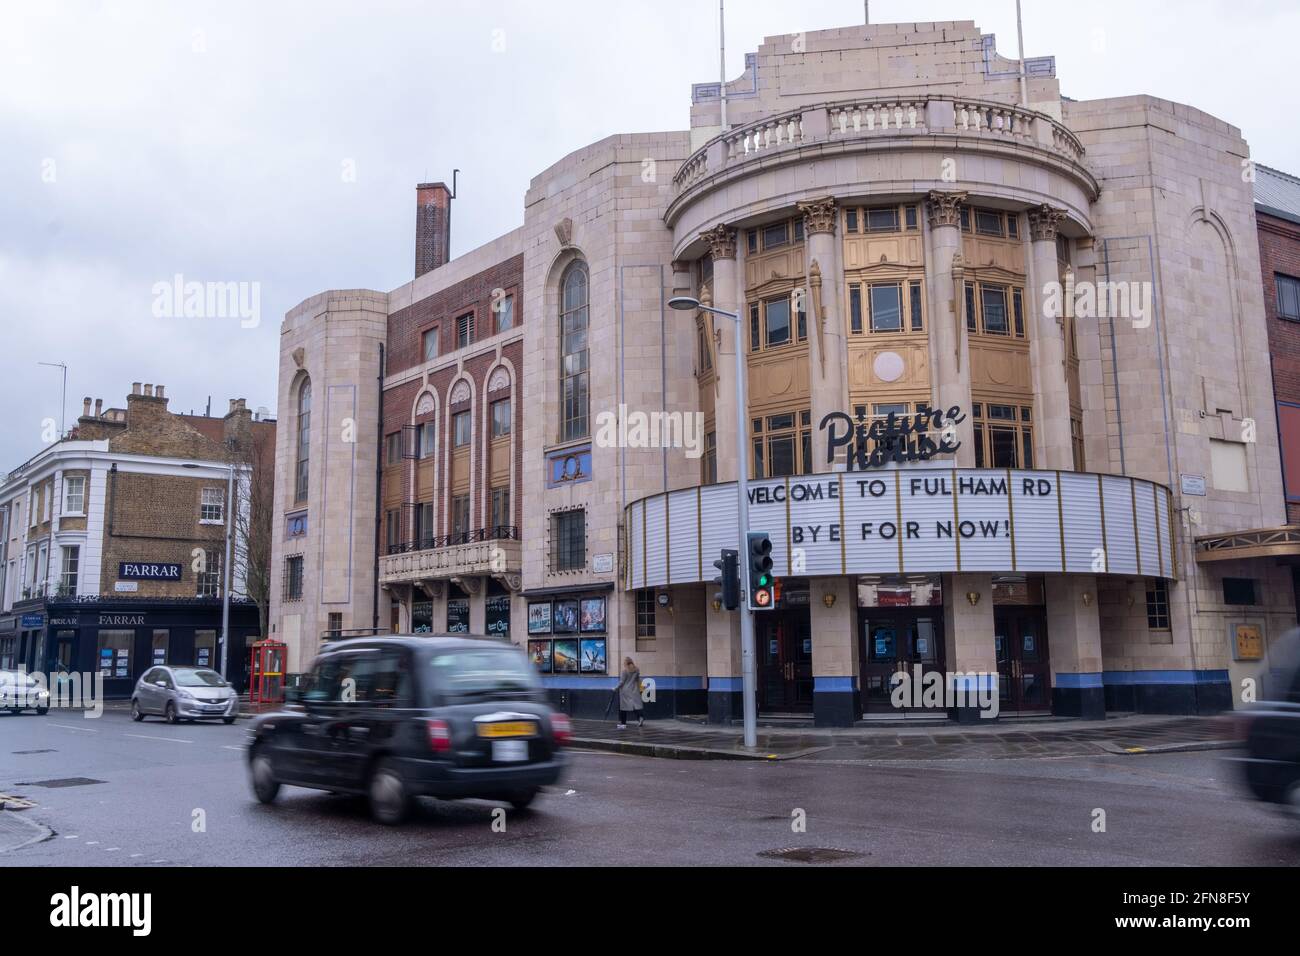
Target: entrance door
(1024, 673)
(896, 640)
(785, 680)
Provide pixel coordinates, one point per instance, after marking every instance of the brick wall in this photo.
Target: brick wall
(156, 518)
(1279, 252)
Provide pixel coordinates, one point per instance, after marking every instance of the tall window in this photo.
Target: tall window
(569, 540)
(574, 383)
(293, 578)
(770, 323)
(461, 428)
(710, 458)
(501, 418)
(393, 526)
(783, 445)
(429, 344)
(645, 612)
(460, 514)
(304, 440)
(1004, 436)
(209, 579)
(74, 495)
(465, 330)
(211, 507)
(501, 507)
(1288, 297)
(1157, 604)
(68, 577)
(425, 439)
(995, 309)
(506, 314)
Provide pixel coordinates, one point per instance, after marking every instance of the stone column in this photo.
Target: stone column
(827, 351)
(970, 654)
(950, 372)
(836, 698)
(726, 282)
(1053, 411)
(723, 659)
(1074, 646)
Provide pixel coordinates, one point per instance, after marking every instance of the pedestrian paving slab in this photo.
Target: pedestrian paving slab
(1130, 735)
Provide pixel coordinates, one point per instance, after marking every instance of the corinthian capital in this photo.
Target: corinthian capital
(722, 242)
(944, 209)
(1043, 222)
(818, 216)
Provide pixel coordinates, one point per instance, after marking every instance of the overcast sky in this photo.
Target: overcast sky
(279, 143)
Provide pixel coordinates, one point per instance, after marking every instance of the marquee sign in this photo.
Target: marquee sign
(912, 520)
(899, 439)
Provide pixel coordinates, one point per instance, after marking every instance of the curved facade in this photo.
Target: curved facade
(1004, 360)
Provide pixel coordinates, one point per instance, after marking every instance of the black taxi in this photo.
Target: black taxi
(394, 718)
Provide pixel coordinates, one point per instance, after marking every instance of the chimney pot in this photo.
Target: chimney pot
(148, 390)
(99, 407)
(159, 391)
(135, 388)
(85, 407)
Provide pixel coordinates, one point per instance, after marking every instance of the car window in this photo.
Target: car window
(483, 672)
(380, 677)
(150, 675)
(325, 683)
(198, 678)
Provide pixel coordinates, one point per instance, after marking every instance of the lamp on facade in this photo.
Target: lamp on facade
(717, 605)
(973, 597)
(1087, 599)
(829, 598)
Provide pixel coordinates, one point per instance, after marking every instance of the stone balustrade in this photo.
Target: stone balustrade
(882, 116)
(475, 558)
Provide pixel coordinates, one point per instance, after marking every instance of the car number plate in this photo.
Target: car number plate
(509, 751)
(520, 728)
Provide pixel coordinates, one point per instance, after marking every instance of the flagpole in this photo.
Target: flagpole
(1020, 37)
(722, 60)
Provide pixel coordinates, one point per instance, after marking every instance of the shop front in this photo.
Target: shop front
(121, 639)
(948, 577)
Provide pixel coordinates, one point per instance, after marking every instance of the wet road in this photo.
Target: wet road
(146, 788)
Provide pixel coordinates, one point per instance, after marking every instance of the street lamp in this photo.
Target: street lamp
(225, 569)
(748, 687)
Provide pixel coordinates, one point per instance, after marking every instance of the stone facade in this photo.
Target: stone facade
(895, 229)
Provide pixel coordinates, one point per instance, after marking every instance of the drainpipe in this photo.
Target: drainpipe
(379, 487)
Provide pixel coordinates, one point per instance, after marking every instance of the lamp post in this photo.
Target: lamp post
(748, 683)
(63, 394)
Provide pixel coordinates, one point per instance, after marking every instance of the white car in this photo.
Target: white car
(184, 693)
(20, 691)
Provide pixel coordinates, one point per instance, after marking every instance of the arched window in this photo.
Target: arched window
(574, 395)
(304, 440)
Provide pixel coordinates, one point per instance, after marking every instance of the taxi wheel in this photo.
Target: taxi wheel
(136, 713)
(42, 711)
(227, 720)
(389, 801)
(265, 786)
(522, 799)
(171, 713)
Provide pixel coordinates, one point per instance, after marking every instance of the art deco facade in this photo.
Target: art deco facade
(898, 229)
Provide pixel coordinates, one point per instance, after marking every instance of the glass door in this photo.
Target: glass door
(1024, 671)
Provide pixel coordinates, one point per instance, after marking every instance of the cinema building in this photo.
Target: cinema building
(1049, 309)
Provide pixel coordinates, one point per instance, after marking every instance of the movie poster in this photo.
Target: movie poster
(593, 615)
(593, 656)
(539, 652)
(566, 617)
(565, 657)
(539, 618)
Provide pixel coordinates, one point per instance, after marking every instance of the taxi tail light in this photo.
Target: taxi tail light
(561, 728)
(439, 736)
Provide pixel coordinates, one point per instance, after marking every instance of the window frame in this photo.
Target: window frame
(575, 385)
(568, 546)
(463, 418)
(465, 323)
(1281, 280)
(501, 428)
(69, 482)
(207, 506)
(427, 336)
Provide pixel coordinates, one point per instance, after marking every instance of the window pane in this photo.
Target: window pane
(979, 446)
(775, 235)
(882, 220)
(914, 290)
(851, 220)
(506, 315)
(988, 223)
(430, 341)
(501, 418)
(755, 342)
(782, 455)
(778, 321)
(886, 309)
(970, 307)
(994, 301)
(1288, 297)
(855, 308)
(1002, 443)
(1018, 306)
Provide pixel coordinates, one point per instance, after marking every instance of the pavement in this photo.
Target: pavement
(109, 792)
(1130, 734)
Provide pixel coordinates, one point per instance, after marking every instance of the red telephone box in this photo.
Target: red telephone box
(266, 673)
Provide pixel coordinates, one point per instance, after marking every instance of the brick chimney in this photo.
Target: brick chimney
(432, 227)
(237, 424)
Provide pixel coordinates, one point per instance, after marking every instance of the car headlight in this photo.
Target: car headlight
(184, 695)
(43, 693)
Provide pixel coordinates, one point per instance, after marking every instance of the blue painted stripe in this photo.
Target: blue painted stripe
(725, 685)
(566, 682)
(1079, 681)
(1165, 677)
(834, 685)
(677, 683)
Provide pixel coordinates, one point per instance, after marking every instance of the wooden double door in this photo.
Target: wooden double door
(785, 673)
(1024, 668)
(909, 640)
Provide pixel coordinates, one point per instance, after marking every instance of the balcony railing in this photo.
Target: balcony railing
(878, 117)
(503, 532)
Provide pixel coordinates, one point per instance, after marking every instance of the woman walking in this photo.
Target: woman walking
(629, 694)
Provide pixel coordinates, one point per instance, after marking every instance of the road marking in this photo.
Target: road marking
(72, 837)
(111, 849)
(134, 855)
(175, 740)
(89, 730)
(92, 843)
(229, 747)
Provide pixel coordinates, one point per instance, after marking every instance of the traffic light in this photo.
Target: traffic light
(761, 596)
(728, 579)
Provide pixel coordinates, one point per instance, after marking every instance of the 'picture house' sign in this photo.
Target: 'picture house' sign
(904, 439)
(905, 520)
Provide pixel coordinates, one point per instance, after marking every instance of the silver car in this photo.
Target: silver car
(184, 693)
(20, 691)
